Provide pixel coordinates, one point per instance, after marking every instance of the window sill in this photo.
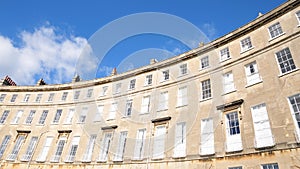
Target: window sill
(179, 157)
(147, 85)
(144, 113)
(252, 84)
(182, 75)
(40, 124)
(80, 122)
(131, 89)
(160, 110)
(200, 69)
(203, 100)
(246, 50)
(271, 39)
(232, 91)
(206, 155)
(126, 117)
(164, 80)
(54, 123)
(180, 106)
(283, 74)
(225, 60)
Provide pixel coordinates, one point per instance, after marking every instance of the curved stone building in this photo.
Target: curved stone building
(233, 103)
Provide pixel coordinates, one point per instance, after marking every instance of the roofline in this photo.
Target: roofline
(241, 31)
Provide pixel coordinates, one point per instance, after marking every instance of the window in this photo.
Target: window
(105, 147)
(180, 140)
(18, 144)
(148, 80)
(38, 98)
(166, 75)
(76, 95)
(2, 97)
(26, 98)
(233, 137)
(182, 96)
(285, 61)
(69, 117)
(112, 112)
(298, 16)
(145, 108)
(207, 137)
(275, 30)
(89, 93)
(262, 129)
(224, 54)
(104, 90)
(51, 96)
(128, 109)
(29, 152)
(183, 69)
(30, 117)
(270, 166)
(59, 149)
(118, 88)
(82, 116)
(99, 113)
(206, 89)
(295, 110)
(159, 142)
(252, 73)
(4, 116)
(4, 145)
(235, 167)
(228, 82)
(17, 117)
(73, 149)
(43, 155)
(132, 84)
(13, 97)
(43, 117)
(64, 96)
(246, 44)
(139, 144)
(57, 116)
(121, 146)
(204, 62)
(163, 101)
(87, 157)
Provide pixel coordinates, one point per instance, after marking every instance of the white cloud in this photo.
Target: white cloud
(43, 53)
(210, 31)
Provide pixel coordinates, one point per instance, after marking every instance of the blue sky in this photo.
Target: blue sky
(43, 39)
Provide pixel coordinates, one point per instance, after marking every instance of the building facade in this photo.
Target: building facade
(233, 103)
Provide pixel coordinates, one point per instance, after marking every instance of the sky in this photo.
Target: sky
(57, 39)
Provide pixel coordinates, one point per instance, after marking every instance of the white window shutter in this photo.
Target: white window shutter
(112, 112)
(159, 142)
(139, 145)
(180, 140)
(121, 147)
(145, 104)
(45, 149)
(207, 137)
(262, 129)
(105, 147)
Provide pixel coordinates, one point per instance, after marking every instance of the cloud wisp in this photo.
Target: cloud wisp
(44, 53)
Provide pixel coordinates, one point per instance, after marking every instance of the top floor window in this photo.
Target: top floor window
(285, 61)
(246, 44)
(148, 80)
(132, 84)
(270, 166)
(275, 30)
(64, 96)
(224, 54)
(26, 98)
(204, 62)
(118, 88)
(166, 75)
(183, 69)
(89, 93)
(2, 97)
(51, 96)
(76, 95)
(38, 98)
(298, 16)
(13, 97)
(104, 90)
